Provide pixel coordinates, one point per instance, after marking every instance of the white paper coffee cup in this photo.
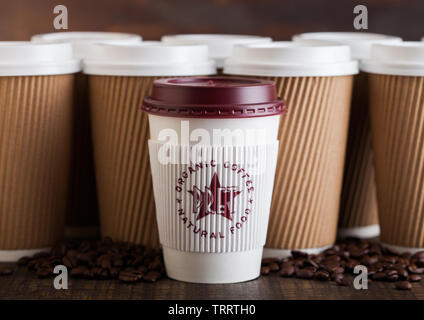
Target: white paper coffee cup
(212, 196)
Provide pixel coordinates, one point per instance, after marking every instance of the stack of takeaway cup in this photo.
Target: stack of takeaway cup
(120, 76)
(315, 79)
(82, 218)
(358, 208)
(220, 45)
(36, 87)
(213, 182)
(396, 85)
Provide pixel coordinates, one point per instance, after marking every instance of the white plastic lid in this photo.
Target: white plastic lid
(148, 58)
(360, 42)
(403, 59)
(24, 58)
(81, 40)
(291, 59)
(220, 45)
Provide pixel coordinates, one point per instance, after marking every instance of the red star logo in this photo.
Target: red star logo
(214, 200)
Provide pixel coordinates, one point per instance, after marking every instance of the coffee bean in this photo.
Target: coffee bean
(274, 267)
(114, 272)
(105, 261)
(143, 269)
(41, 254)
(403, 285)
(299, 254)
(419, 255)
(304, 274)
(43, 273)
(23, 261)
(369, 260)
(6, 271)
(330, 252)
(322, 275)
(357, 253)
(72, 253)
(415, 269)
(342, 282)
(337, 276)
(78, 271)
(339, 270)
(414, 278)
(392, 278)
(419, 263)
(287, 271)
(310, 262)
(351, 264)
(403, 274)
(265, 270)
(156, 264)
(151, 276)
(298, 262)
(330, 266)
(128, 277)
(266, 261)
(389, 259)
(99, 260)
(331, 258)
(379, 276)
(390, 273)
(67, 262)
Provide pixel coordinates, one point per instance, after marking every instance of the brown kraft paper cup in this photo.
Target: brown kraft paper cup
(305, 204)
(82, 219)
(121, 131)
(358, 211)
(35, 139)
(315, 79)
(120, 135)
(397, 118)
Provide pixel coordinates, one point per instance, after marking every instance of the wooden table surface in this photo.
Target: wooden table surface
(24, 284)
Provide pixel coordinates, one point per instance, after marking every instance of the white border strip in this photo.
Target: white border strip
(401, 249)
(366, 232)
(228, 267)
(15, 255)
(284, 253)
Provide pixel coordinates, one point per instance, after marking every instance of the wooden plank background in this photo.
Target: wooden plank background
(25, 285)
(280, 19)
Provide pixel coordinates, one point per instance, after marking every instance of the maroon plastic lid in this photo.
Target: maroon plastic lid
(214, 97)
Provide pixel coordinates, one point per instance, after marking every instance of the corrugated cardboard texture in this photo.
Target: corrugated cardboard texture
(35, 140)
(397, 123)
(307, 189)
(120, 135)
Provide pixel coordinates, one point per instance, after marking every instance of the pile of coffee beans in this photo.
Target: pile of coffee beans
(339, 260)
(130, 263)
(103, 259)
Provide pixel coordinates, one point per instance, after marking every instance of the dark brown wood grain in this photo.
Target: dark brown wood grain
(280, 19)
(25, 285)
